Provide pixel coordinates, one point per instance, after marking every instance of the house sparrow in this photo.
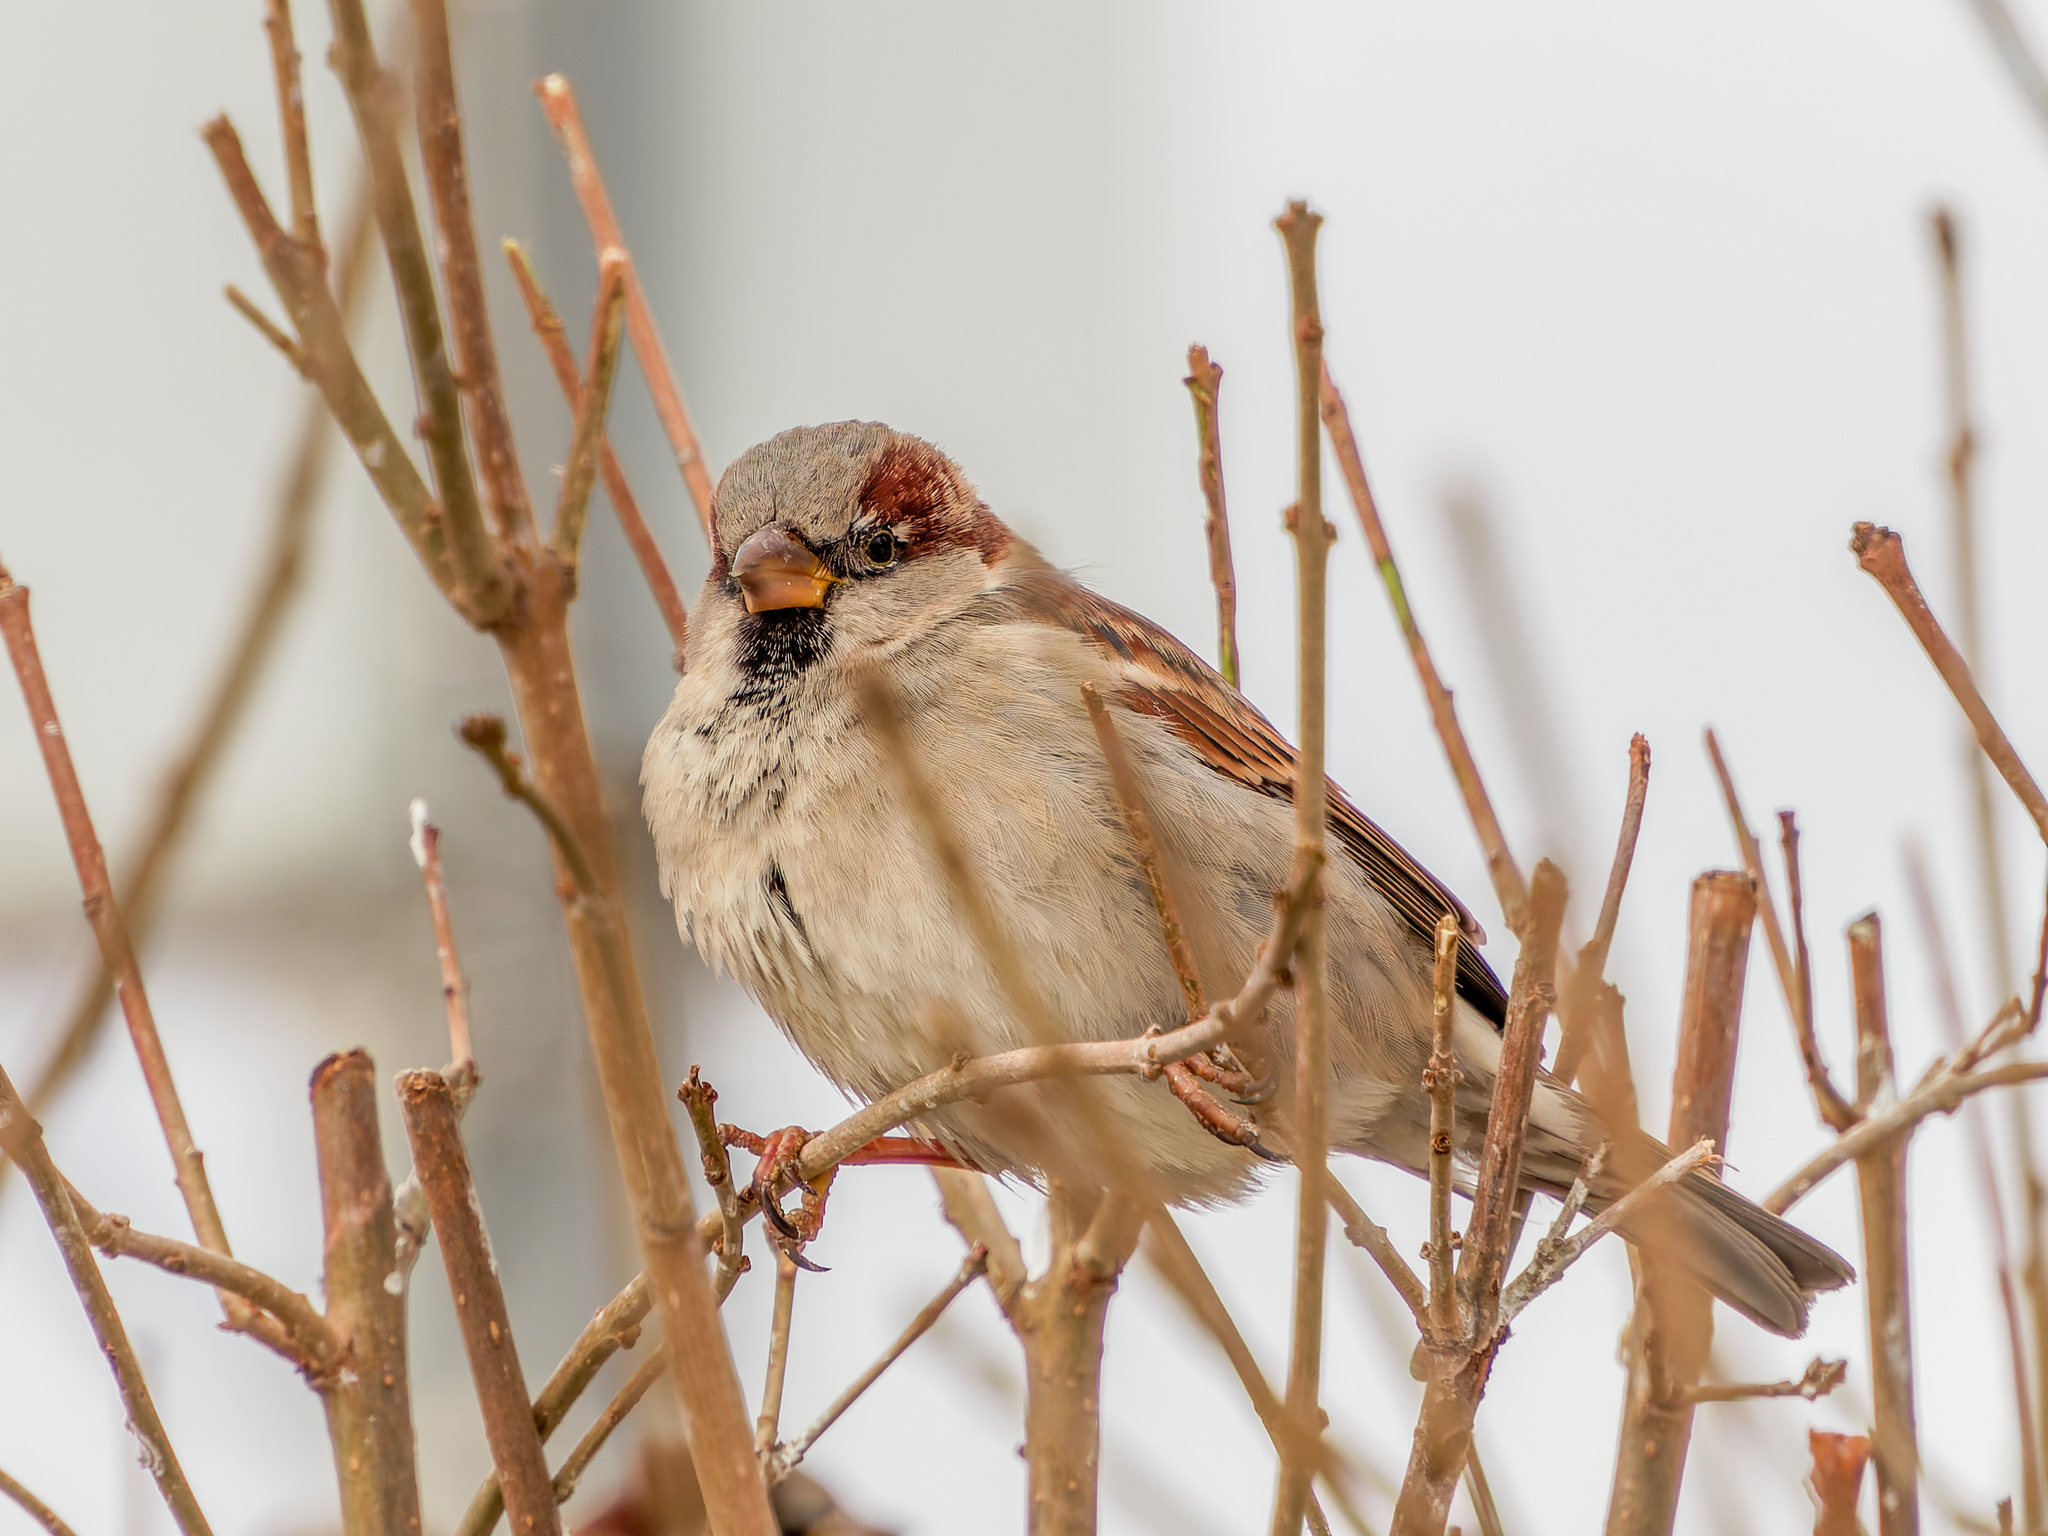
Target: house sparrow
(795, 866)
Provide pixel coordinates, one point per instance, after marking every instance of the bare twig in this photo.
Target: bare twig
(117, 953)
(369, 1405)
(783, 1459)
(267, 328)
(1837, 1481)
(291, 116)
(767, 1423)
(1594, 955)
(22, 1139)
(34, 1507)
(972, 1211)
(426, 853)
(1821, 1377)
(1833, 1107)
(1882, 553)
(1362, 1232)
(441, 154)
(586, 438)
(1665, 1347)
(1590, 1008)
(559, 103)
(443, 1167)
(554, 340)
(373, 97)
(623, 1402)
(1440, 1081)
(1310, 1128)
(698, 1098)
(1561, 1248)
(1508, 886)
(1484, 1510)
(1204, 380)
(2015, 53)
(1881, 1183)
(485, 736)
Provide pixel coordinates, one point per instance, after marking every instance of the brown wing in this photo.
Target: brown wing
(1163, 678)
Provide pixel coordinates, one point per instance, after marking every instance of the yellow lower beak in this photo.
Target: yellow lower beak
(775, 570)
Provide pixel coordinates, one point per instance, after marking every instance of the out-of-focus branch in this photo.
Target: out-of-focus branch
(374, 96)
(1309, 1131)
(1592, 1013)
(1834, 1108)
(369, 1405)
(2002, 28)
(623, 1402)
(22, 1139)
(1508, 886)
(1821, 1377)
(586, 438)
(469, 319)
(783, 1458)
(1881, 1183)
(554, 340)
(1882, 553)
(1666, 1344)
(34, 1507)
(117, 953)
(1454, 1363)
(1836, 1481)
(1204, 380)
(559, 103)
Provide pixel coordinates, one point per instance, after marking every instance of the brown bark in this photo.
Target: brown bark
(1204, 380)
(368, 1401)
(1667, 1341)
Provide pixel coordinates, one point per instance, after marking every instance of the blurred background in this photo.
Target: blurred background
(1636, 308)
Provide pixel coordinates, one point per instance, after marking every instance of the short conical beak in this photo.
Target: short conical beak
(775, 570)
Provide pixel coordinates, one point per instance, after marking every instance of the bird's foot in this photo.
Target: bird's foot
(779, 1155)
(1228, 1072)
(1220, 1121)
(907, 1149)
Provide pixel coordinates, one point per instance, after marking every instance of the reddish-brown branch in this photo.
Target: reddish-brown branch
(369, 1403)
(559, 103)
(1834, 1108)
(1666, 1345)
(586, 437)
(1508, 886)
(291, 114)
(1881, 1183)
(1362, 1232)
(22, 1139)
(1204, 380)
(1837, 1481)
(554, 340)
(476, 357)
(1820, 1378)
(699, 1098)
(1587, 1015)
(443, 1166)
(1882, 553)
(34, 1507)
(117, 954)
(426, 852)
(1440, 1081)
(623, 1402)
(374, 96)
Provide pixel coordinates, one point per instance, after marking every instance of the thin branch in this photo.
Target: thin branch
(698, 1098)
(447, 168)
(547, 325)
(443, 1167)
(1440, 1080)
(22, 1139)
(559, 103)
(291, 116)
(1310, 1129)
(1558, 1251)
(277, 584)
(267, 328)
(1589, 1008)
(1882, 553)
(369, 1405)
(1204, 380)
(1508, 886)
(34, 1507)
(1943, 1088)
(485, 736)
(1362, 1232)
(1594, 955)
(579, 473)
(784, 1458)
(1834, 1108)
(314, 1343)
(2002, 29)
(767, 1423)
(373, 97)
(426, 853)
(577, 1462)
(1484, 1510)
(117, 954)
(1820, 1379)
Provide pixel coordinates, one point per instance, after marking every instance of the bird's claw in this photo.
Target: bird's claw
(1218, 1120)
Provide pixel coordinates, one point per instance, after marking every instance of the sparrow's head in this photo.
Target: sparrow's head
(850, 533)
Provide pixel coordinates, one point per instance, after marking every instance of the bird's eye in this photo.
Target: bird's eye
(881, 548)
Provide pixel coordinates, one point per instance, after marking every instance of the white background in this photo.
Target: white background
(1656, 282)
